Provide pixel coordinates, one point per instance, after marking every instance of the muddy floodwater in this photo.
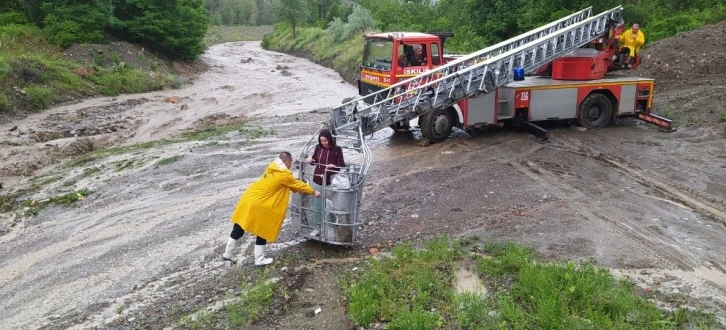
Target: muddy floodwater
(650, 205)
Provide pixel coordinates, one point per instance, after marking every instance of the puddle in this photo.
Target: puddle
(466, 281)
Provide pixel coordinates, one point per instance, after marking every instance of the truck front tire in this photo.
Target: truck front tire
(436, 125)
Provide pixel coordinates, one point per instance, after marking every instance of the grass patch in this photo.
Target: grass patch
(39, 97)
(70, 197)
(103, 153)
(128, 164)
(9, 201)
(410, 290)
(252, 305)
(563, 295)
(13, 201)
(169, 160)
(413, 290)
(221, 132)
(256, 299)
(39, 182)
(217, 34)
(4, 102)
(89, 171)
(129, 80)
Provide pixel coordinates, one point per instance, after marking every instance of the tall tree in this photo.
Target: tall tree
(293, 12)
(265, 14)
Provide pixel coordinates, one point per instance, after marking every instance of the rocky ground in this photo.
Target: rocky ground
(141, 250)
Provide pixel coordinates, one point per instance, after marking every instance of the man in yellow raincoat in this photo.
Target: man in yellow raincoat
(261, 209)
(632, 40)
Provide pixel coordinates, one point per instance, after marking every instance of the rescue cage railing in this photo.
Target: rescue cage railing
(339, 212)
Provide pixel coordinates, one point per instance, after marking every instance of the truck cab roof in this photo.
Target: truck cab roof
(408, 36)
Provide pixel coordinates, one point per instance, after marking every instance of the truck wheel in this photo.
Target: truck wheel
(595, 111)
(436, 125)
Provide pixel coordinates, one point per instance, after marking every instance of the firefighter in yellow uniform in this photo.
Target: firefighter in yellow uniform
(261, 209)
(631, 41)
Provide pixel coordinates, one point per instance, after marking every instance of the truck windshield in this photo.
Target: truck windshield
(378, 54)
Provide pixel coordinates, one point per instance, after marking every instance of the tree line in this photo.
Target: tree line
(477, 23)
(175, 28)
(267, 12)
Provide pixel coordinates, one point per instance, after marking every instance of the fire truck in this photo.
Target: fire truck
(556, 72)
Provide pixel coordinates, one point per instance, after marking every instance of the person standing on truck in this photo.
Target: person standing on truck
(632, 40)
(261, 209)
(327, 155)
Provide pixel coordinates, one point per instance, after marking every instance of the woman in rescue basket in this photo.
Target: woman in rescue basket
(326, 155)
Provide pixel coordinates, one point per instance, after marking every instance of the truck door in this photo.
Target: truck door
(413, 60)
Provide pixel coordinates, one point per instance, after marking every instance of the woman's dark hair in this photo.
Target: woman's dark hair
(326, 133)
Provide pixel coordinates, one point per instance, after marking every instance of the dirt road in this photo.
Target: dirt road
(146, 240)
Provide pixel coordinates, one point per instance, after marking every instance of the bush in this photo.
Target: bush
(360, 20)
(4, 102)
(337, 29)
(265, 44)
(110, 84)
(176, 28)
(65, 33)
(4, 67)
(12, 17)
(673, 25)
(39, 97)
(69, 24)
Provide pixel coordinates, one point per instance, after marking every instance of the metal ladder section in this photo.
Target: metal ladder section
(478, 73)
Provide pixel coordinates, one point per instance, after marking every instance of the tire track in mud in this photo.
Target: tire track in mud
(468, 153)
(702, 203)
(641, 240)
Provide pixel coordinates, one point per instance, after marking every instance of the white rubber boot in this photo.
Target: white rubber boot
(229, 250)
(260, 259)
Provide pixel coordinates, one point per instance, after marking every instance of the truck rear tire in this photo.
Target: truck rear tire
(436, 125)
(595, 111)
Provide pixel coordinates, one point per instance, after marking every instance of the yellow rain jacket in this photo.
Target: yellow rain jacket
(633, 42)
(261, 209)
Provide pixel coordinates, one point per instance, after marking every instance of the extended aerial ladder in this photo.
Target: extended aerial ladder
(478, 73)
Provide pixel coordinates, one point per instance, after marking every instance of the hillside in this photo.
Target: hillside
(35, 74)
(690, 74)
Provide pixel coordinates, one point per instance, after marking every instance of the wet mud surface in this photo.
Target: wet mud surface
(142, 250)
